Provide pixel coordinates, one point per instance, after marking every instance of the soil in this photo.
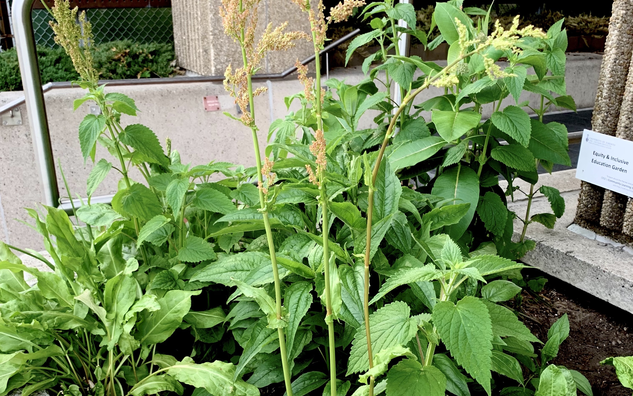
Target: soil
(598, 330)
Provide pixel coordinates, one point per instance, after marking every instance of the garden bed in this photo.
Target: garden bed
(598, 330)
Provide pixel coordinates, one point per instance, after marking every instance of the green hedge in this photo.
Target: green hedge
(116, 60)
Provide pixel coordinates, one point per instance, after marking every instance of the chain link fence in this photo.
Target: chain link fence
(141, 25)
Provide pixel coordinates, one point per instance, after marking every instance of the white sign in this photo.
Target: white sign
(606, 161)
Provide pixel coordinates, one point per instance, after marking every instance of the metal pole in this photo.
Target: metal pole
(34, 97)
(404, 44)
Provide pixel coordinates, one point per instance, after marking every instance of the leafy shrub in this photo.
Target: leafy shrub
(349, 268)
(117, 60)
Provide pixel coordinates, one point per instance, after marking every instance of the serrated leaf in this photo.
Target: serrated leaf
(399, 235)
(265, 302)
(143, 140)
(488, 264)
(137, 201)
(506, 324)
(382, 360)
(516, 82)
(387, 191)
(566, 102)
(89, 131)
(514, 156)
(349, 214)
(97, 174)
(410, 378)
(546, 219)
(390, 326)
(476, 87)
(555, 200)
(297, 300)
(401, 72)
(359, 41)
(493, 213)
(515, 122)
(403, 11)
(414, 152)
(466, 330)
(555, 61)
(446, 215)
(545, 144)
(452, 125)
(455, 153)
(260, 338)
(404, 277)
(460, 185)
(237, 266)
(216, 378)
(213, 201)
(150, 227)
(500, 290)
(175, 194)
(122, 103)
(195, 250)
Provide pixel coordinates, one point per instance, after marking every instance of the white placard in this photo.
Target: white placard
(606, 161)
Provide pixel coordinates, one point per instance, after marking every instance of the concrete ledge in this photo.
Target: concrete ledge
(594, 266)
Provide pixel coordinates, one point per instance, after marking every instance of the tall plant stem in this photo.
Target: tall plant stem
(269, 234)
(483, 159)
(370, 200)
(325, 228)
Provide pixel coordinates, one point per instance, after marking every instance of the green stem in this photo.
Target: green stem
(269, 233)
(325, 227)
(482, 158)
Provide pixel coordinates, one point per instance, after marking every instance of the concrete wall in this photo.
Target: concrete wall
(175, 111)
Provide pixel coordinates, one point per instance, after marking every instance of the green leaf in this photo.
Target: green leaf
(516, 82)
(515, 122)
(623, 369)
(455, 153)
(260, 338)
(205, 319)
(455, 380)
(404, 277)
(488, 264)
(378, 232)
(500, 290)
(195, 250)
(556, 201)
(409, 378)
(555, 61)
(296, 267)
(122, 103)
(390, 326)
(493, 213)
(507, 365)
(514, 156)
(159, 383)
(265, 302)
(444, 16)
(553, 381)
(352, 284)
(566, 102)
(582, 384)
(235, 266)
(216, 378)
(560, 328)
(89, 131)
(98, 173)
(452, 125)
(476, 87)
(414, 152)
(382, 360)
(460, 185)
(137, 201)
(359, 41)
(150, 227)
(403, 11)
(399, 235)
(341, 388)
(213, 201)
(297, 300)
(387, 191)
(466, 330)
(143, 140)
(156, 327)
(446, 215)
(175, 194)
(506, 324)
(401, 72)
(97, 215)
(308, 382)
(545, 144)
(547, 219)
(349, 214)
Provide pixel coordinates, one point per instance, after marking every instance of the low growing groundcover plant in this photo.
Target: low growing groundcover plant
(337, 265)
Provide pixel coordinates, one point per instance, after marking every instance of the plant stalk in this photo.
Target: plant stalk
(269, 234)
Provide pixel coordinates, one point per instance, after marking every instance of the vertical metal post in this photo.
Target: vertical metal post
(404, 44)
(34, 97)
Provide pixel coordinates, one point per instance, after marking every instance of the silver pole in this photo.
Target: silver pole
(34, 97)
(404, 44)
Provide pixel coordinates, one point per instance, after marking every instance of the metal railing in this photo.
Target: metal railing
(34, 96)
